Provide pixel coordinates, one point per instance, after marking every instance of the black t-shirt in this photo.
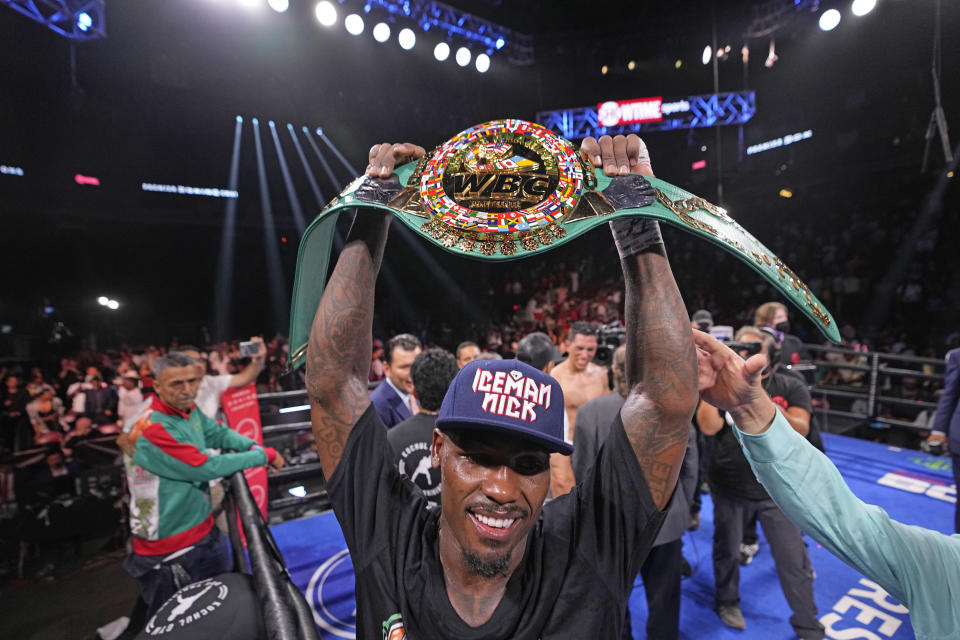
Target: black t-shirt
(729, 471)
(410, 441)
(578, 568)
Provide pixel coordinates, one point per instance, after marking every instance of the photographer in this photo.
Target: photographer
(213, 386)
(738, 497)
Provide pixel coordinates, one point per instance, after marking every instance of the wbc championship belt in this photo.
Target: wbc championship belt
(509, 189)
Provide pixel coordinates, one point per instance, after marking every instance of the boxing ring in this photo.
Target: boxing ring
(913, 487)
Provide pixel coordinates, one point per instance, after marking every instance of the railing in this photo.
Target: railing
(862, 398)
(286, 615)
(299, 488)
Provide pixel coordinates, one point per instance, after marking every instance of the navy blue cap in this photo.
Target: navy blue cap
(508, 396)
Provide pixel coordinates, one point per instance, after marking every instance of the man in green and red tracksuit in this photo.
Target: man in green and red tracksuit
(169, 470)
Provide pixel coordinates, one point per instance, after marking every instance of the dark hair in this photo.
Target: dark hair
(581, 328)
(405, 341)
(537, 350)
(432, 372)
(463, 345)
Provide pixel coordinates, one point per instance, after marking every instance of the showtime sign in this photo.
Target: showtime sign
(620, 112)
(617, 112)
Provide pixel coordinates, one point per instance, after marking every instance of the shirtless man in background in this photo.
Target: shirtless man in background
(580, 379)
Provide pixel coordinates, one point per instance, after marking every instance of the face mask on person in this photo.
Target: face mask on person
(782, 327)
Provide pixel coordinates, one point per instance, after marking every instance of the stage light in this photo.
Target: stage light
(632, 65)
(298, 491)
(829, 20)
(442, 51)
(103, 300)
(771, 55)
(353, 24)
(84, 21)
(604, 69)
(271, 123)
(500, 42)
(949, 174)
(678, 63)
(295, 409)
(483, 63)
(707, 54)
(256, 121)
(381, 32)
(407, 38)
(699, 164)
(463, 56)
(862, 7)
(319, 131)
(113, 305)
(326, 13)
(786, 193)
(745, 54)
(239, 119)
(279, 5)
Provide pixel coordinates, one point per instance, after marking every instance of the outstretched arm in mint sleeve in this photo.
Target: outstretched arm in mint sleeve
(338, 353)
(917, 566)
(661, 365)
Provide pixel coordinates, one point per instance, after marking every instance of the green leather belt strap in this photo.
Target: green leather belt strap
(509, 189)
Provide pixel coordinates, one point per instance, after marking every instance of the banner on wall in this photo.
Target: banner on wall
(242, 410)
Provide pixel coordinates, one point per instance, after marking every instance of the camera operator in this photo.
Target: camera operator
(774, 315)
(738, 497)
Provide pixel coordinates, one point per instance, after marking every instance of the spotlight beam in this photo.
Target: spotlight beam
(337, 184)
(223, 291)
(353, 171)
(347, 220)
(277, 287)
(317, 193)
(295, 207)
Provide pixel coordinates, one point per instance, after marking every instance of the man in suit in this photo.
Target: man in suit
(393, 398)
(946, 425)
(661, 570)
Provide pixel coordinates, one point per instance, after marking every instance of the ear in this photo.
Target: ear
(436, 449)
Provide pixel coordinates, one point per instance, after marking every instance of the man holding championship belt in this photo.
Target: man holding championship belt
(495, 561)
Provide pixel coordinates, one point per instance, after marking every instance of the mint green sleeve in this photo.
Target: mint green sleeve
(218, 436)
(917, 566)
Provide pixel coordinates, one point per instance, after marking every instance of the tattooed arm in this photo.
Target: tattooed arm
(338, 354)
(661, 361)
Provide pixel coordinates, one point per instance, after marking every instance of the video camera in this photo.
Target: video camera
(609, 337)
(751, 348)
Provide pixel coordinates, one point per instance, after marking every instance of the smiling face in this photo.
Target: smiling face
(581, 351)
(493, 488)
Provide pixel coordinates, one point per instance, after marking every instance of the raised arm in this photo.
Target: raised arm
(917, 566)
(661, 363)
(338, 353)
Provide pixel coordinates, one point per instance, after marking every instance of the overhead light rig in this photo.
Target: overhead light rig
(483, 34)
(78, 20)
